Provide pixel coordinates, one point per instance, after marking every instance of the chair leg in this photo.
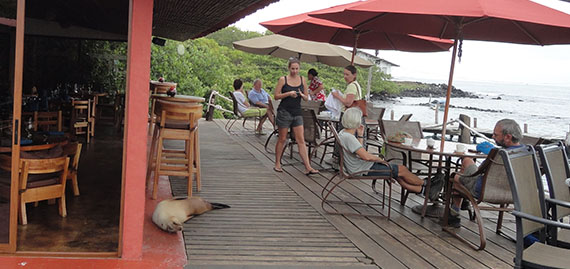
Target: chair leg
(500, 219)
(267, 141)
(403, 196)
(197, 161)
(23, 217)
(150, 160)
(157, 169)
(75, 184)
(62, 208)
(190, 158)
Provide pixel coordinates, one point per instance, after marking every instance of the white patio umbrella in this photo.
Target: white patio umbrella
(307, 51)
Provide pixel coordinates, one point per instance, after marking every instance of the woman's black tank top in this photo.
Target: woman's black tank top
(290, 104)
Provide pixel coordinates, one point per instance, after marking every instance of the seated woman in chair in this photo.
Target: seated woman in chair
(245, 109)
(358, 159)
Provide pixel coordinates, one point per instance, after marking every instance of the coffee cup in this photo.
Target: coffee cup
(430, 142)
(408, 141)
(460, 148)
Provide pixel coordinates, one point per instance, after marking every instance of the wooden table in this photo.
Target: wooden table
(447, 154)
(178, 98)
(33, 147)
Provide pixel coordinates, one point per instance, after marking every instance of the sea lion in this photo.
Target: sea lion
(170, 214)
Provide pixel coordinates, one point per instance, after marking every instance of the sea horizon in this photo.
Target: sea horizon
(543, 107)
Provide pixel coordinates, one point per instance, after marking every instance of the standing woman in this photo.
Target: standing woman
(316, 88)
(353, 90)
(291, 89)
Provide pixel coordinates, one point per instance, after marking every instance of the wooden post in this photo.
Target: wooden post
(392, 115)
(436, 112)
(464, 134)
(525, 128)
(474, 122)
(210, 113)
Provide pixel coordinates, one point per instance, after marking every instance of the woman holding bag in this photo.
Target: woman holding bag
(353, 90)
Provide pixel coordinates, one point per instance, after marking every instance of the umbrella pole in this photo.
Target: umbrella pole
(448, 96)
(354, 48)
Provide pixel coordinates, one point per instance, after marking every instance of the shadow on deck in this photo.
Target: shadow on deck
(276, 219)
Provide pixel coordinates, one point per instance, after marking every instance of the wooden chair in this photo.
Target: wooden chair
(555, 164)
(530, 212)
(81, 122)
(40, 179)
(45, 120)
(175, 121)
(495, 189)
(73, 151)
(238, 115)
(342, 176)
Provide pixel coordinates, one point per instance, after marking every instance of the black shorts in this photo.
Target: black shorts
(284, 119)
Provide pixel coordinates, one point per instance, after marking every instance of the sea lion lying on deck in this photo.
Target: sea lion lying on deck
(170, 214)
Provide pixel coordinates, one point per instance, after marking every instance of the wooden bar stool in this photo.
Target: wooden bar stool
(175, 121)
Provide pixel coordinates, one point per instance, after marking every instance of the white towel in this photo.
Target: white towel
(334, 105)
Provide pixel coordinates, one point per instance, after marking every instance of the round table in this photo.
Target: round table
(178, 98)
(448, 152)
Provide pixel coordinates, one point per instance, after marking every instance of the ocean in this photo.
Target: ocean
(544, 108)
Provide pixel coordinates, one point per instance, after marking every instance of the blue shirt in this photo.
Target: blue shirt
(255, 97)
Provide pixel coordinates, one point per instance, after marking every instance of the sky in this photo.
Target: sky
(481, 61)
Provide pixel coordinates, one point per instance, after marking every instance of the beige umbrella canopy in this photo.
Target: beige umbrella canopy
(307, 51)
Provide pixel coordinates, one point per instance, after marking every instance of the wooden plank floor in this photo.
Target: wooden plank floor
(268, 224)
(276, 218)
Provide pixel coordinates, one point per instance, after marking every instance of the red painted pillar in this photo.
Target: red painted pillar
(134, 152)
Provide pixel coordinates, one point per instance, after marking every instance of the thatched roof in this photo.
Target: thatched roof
(108, 19)
(182, 20)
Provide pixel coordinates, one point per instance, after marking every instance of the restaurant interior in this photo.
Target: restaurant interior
(72, 94)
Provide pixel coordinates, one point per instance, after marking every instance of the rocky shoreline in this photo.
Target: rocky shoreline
(419, 89)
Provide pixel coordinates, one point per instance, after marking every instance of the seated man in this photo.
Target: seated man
(507, 134)
(260, 98)
(245, 109)
(358, 159)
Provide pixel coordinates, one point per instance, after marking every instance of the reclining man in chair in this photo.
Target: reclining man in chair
(245, 109)
(358, 159)
(507, 134)
(260, 98)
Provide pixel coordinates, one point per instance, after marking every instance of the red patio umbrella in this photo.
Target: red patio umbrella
(305, 27)
(514, 21)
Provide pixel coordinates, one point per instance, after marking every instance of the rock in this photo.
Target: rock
(431, 89)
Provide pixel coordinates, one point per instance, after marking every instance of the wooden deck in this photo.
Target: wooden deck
(276, 219)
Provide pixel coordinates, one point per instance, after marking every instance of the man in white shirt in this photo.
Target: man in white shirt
(244, 107)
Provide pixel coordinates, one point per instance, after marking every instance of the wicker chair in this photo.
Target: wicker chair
(405, 117)
(390, 127)
(555, 164)
(495, 189)
(343, 176)
(372, 122)
(311, 129)
(530, 211)
(273, 105)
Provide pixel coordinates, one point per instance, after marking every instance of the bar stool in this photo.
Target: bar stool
(175, 121)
